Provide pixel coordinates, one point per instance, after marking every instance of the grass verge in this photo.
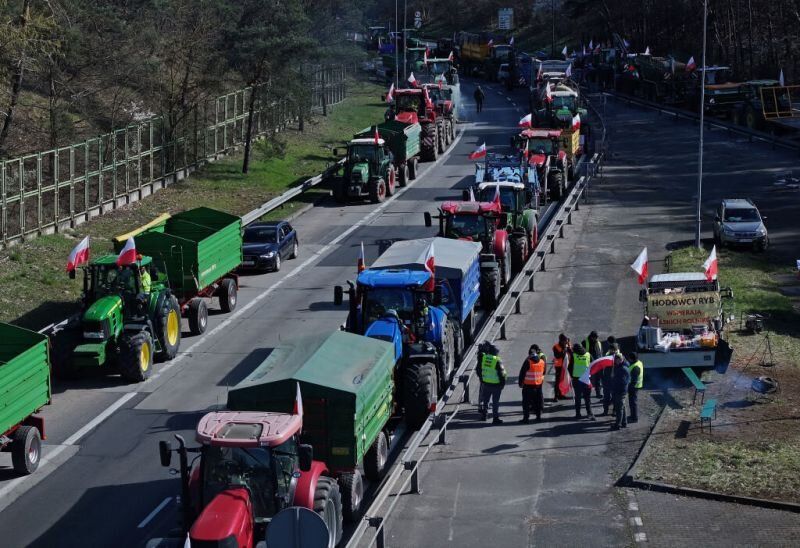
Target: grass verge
(36, 290)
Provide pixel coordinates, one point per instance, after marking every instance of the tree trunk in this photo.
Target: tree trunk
(16, 82)
(248, 136)
(52, 106)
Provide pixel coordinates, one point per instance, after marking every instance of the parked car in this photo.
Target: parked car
(266, 245)
(738, 222)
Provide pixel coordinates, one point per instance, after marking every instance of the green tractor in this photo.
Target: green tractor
(124, 327)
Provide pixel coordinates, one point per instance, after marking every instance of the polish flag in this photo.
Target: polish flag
(79, 255)
(425, 56)
(450, 57)
(298, 403)
(564, 383)
(691, 65)
(595, 367)
(548, 93)
(472, 195)
(479, 152)
(491, 42)
(710, 266)
(525, 121)
(496, 198)
(377, 136)
(442, 80)
(647, 50)
(576, 122)
(640, 266)
(430, 266)
(128, 253)
(568, 73)
(390, 95)
(564, 51)
(781, 81)
(412, 80)
(361, 263)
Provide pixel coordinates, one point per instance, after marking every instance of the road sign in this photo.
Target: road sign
(505, 18)
(417, 19)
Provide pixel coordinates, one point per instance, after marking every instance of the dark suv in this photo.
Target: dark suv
(738, 222)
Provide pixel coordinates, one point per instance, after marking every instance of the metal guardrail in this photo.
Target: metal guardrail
(406, 473)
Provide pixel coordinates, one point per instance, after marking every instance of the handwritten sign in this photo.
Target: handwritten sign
(682, 311)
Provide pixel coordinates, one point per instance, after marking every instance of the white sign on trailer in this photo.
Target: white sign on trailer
(505, 18)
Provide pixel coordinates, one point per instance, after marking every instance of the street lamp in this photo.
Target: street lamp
(702, 121)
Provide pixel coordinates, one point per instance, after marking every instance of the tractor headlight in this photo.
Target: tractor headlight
(98, 335)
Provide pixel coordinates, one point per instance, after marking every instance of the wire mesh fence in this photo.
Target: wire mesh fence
(47, 191)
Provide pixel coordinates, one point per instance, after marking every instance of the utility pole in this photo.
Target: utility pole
(405, 40)
(396, 46)
(702, 122)
(553, 13)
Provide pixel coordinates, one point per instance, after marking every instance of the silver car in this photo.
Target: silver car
(738, 222)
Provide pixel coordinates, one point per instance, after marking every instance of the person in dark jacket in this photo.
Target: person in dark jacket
(492, 375)
(607, 374)
(479, 97)
(595, 350)
(531, 380)
(619, 389)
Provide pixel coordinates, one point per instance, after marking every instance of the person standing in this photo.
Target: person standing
(583, 392)
(607, 374)
(595, 349)
(479, 97)
(636, 370)
(619, 388)
(492, 375)
(560, 351)
(530, 379)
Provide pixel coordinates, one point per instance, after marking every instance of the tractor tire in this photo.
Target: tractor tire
(412, 169)
(377, 191)
(26, 449)
(468, 329)
(419, 392)
(339, 191)
(391, 182)
(328, 505)
(376, 458)
(168, 328)
(227, 295)
(458, 341)
(555, 185)
(446, 132)
(198, 316)
(519, 253)
(402, 175)
(135, 358)
(505, 268)
(351, 486)
(452, 130)
(440, 138)
(490, 289)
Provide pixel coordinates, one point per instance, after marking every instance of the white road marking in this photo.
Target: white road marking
(636, 521)
(155, 511)
(633, 507)
(640, 537)
(455, 509)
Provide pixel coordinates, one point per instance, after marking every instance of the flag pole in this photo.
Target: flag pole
(405, 39)
(702, 121)
(396, 46)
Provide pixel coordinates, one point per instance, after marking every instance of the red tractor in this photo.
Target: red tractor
(250, 467)
(478, 222)
(542, 148)
(443, 101)
(414, 105)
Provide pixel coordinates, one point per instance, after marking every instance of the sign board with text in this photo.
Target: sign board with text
(505, 18)
(680, 311)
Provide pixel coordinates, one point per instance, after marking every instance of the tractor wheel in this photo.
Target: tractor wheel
(168, 325)
(468, 329)
(227, 295)
(390, 184)
(351, 487)
(440, 138)
(377, 191)
(339, 191)
(490, 289)
(135, 358)
(412, 169)
(402, 175)
(376, 457)
(452, 130)
(328, 505)
(519, 252)
(555, 185)
(26, 449)
(505, 268)
(449, 348)
(198, 316)
(419, 392)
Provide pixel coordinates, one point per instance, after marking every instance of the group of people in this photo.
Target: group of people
(571, 362)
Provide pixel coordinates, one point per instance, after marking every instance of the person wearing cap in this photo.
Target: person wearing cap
(607, 374)
(636, 370)
(144, 279)
(492, 375)
(583, 392)
(595, 349)
(530, 380)
(560, 351)
(619, 389)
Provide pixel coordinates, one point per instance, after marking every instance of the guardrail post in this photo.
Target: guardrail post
(464, 379)
(542, 256)
(502, 321)
(560, 224)
(517, 305)
(569, 218)
(530, 282)
(442, 424)
(552, 243)
(412, 465)
(380, 537)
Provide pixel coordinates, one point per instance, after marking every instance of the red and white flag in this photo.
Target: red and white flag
(79, 255)
(525, 121)
(496, 198)
(128, 253)
(564, 52)
(647, 50)
(565, 383)
(595, 367)
(479, 152)
(691, 65)
(548, 93)
(425, 56)
(450, 57)
(412, 80)
(430, 266)
(710, 266)
(781, 80)
(576, 122)
(390, 95)
(568, 73)
(298, 402)
(361, 263)
(442, 79)
(377, 136)
(472, 195)
(640, 266)
(491, 42)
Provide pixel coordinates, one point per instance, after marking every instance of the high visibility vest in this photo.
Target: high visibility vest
(146, 282)
(534, 376)
(558, 362)
(489, 369)
(581, 364)
(640, 365)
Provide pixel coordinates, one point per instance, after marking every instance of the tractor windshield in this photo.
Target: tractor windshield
(362, 153)
(540, 146)
(438, 68)
(564, 101)
(250, 467)
(380, 300)
(112, 280)
(408, 103)
(473, 227)
(507, 197)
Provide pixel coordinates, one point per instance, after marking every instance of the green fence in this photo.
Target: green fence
(47, 191)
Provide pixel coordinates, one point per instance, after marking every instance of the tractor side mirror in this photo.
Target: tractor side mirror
(338, 295)
(305, 454)
(335, 151)
(437, 295)
(428, 219)
(763, 217)
(465, 195)
(642, 295)
(72, 274)
(165, 452)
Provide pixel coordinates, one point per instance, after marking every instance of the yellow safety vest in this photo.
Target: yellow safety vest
(146, 282)
(640, 365)
(581, 364)
(534, 376)
(489, 369)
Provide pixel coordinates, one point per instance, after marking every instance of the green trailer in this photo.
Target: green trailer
(347, 388)
(24, 390)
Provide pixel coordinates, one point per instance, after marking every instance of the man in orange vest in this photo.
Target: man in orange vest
(530, 379)
(560, 350)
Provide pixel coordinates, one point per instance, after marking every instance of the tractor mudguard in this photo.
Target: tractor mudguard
(387, 329)
(307, 484)
(529, 220)
(436, 322)
(500, 243)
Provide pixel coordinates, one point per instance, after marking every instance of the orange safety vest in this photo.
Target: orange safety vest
(534, 376)
(558, 362)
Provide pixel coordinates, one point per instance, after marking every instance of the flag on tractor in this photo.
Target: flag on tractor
(390, 95)
(640, 266)
(430, 266)
(525, 121)
(79, 255)
(691, 65)
(361, 263)
(128, 253)
(412, 80)
(479, 152)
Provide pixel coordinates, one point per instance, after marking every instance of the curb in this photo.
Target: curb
(628, 479)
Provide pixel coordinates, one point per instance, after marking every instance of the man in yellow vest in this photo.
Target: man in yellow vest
(636, 369)
(492, 375)
(530, 379)
(578, 366)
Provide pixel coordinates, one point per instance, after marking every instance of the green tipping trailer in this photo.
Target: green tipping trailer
(24, 389)
(404, 141)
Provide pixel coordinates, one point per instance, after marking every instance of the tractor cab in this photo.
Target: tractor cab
(469, 220)
(507, 168)
(411, 106)
(543, 150)
(513, 195)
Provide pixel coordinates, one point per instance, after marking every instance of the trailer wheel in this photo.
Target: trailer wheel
(449, 357)
(26, 449)
(440, 138)
(390, 183)
(402, 175)
(352, 488)
(452, 130)
(505, 265)
(135, 358)
(412, 169)
(419, 392)
(198, 316)
(490, 289)
(377, 191)
(556, 184)
(519, 253)
(169, 328)
(227, 295)
(328, 504)
(469, 328)
(376, 457)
